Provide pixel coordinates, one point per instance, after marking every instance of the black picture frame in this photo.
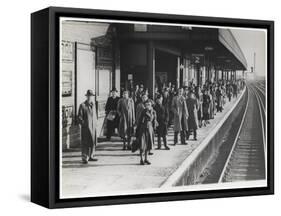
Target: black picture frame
(45, 106)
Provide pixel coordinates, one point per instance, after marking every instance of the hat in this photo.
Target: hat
(90, 93)
(114, 89)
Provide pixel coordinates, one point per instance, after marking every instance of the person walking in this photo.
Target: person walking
(146, 126)
(87, 119)
(111, 113)
(162, 114)
(192, 107)
(180, 116)
(126, 112)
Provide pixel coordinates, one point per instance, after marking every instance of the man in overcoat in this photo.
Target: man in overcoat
(192, 107)
(87, 118)
(126, 112)
(180, 116)
(162, 114)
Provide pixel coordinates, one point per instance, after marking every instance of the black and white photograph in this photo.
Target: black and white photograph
(149, 107)
(140, 108)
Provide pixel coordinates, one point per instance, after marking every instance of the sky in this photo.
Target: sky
(253, 41)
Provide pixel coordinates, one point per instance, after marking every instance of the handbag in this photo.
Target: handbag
(111, 115)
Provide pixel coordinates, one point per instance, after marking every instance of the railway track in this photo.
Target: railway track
(247, 157)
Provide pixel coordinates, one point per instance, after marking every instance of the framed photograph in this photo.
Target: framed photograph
(192, 98)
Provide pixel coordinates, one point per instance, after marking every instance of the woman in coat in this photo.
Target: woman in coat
(140, 107)
(126, 112)
(180, 116)
(146, 125)
(206, 107)
(192, 107)
(111, 113)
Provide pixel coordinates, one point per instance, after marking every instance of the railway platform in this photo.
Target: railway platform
(117, 170)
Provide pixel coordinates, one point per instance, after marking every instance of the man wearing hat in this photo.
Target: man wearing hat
(192, 108)
(180, 116)
(111, 113)
(162, 114)
(87, 119)
(126, 112)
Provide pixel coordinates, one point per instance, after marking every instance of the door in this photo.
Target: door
(85, 72)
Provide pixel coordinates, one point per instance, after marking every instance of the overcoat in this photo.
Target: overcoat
(111, 105)
(192, 107)
(162, 114)
(219, 98)
(126, 112)
(139, 109)
(167, 102)
(206, 106)
(211, 106)
(180, 113)
(200, 109)
(146, 125)
(87, 118)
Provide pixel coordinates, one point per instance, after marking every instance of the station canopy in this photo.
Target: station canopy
(228, 40)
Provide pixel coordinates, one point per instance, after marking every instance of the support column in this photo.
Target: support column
(116, 75)
(198, 74)
(178, 72)
(151, 68)
(215, 75)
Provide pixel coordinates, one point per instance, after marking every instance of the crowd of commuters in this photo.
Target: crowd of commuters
(139, 119)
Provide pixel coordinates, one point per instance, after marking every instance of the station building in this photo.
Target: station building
(100, 56)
